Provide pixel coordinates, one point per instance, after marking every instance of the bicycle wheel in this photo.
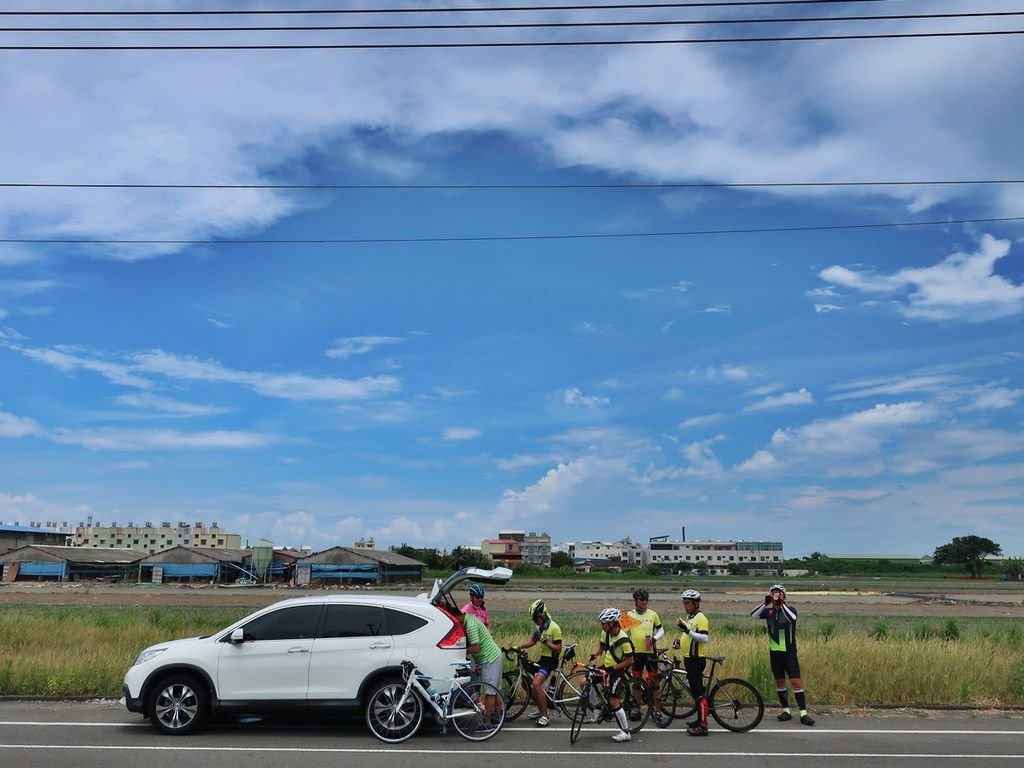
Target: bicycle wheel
(736, 705)
(515, 690)
(636, 700)
(677, 701)
(580, 713)
(390, 718)
(568, 693)
(466, 710)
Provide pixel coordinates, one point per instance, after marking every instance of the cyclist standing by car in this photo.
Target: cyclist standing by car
(549, 635)
(617, 659)
(481, 648)
(696, 629)
(645, 631)
(476, 606)
(780, 618)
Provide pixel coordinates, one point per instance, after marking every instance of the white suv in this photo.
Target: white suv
(326, 652)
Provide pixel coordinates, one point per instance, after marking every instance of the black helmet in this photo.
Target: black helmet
(641, 594)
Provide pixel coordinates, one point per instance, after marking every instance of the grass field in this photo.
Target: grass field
(847, 660)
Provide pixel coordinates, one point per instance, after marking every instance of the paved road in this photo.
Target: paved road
(103, 735)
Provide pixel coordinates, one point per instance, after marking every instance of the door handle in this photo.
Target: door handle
(375, 646)
(298, 650)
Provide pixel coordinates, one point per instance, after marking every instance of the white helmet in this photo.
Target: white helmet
(609, 616)
(779, 587)
(691, 594)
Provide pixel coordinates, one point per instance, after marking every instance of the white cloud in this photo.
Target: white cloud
(461, 433)
(895, 385)
(168, 406)
(674, 394)
(15, 426)
(801, 397)
(700, 421)
(733, 373)
(715, 309)
(345, 348)
(67, 362)
(289, 386)
(761, 461)
(824, 309)
(964, 286)
(159, 439)
(996, 398)
(575, 398)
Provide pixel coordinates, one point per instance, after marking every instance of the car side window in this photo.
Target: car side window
(293, 623)
(400, 623)
(353, 621)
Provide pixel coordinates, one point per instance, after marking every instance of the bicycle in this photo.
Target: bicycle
(395, 710)
(592, 705)
(735, 704)
(561, 689)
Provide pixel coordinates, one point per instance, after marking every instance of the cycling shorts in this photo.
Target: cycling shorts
(784, 663)
(644, 662)
(617, 684)
(545, 665)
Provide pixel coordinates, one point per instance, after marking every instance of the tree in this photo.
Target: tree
(560, 559)
(968, 551)
(735, 569)
(1014, 568)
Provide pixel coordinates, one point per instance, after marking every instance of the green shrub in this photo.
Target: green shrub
(951, 629)
(880, 630)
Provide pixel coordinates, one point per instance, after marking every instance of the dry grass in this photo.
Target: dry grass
(84, 651)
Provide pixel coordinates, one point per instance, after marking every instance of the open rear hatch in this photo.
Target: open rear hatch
(441, 593)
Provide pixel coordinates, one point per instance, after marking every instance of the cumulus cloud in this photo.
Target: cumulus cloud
(12, 426)
(964, 286)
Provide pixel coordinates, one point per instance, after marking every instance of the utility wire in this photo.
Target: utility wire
(440, 187)
(497, 9)
(509, 238)
(516, 44)
(528, 25)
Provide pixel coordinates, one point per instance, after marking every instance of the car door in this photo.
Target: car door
(272, 661)
(353, 642)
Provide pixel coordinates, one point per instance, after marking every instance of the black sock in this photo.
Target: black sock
(783, 698)
(801, 700)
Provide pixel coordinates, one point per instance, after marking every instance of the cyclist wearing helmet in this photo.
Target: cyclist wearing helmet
(476, 606)
(617, 659)
(644, 632)
(780, 619)
(549, 635)
(481, 648)
(694, 647)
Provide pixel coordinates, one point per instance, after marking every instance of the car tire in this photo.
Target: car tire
(178, 705)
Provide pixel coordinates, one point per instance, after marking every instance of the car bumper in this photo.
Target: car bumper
(131, 703)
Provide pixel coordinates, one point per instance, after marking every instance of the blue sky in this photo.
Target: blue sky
(843, 391)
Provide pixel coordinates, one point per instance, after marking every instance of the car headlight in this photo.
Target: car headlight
(146, 655)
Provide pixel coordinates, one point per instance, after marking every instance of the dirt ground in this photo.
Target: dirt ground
(927, 602)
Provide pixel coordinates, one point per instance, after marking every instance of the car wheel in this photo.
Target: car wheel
(178, 705)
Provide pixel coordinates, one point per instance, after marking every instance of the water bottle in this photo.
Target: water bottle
(434, 695)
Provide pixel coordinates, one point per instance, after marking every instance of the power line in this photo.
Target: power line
(455, 187)
(516, 44)
(510, 238)
(497, 9)
(529, 25)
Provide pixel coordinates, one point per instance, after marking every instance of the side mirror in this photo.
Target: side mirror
(238, 635)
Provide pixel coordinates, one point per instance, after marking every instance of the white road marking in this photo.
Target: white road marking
(974, 757)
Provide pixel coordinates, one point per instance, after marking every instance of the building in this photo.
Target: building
(150, 538)
(14, 536)
(343, 565)
(764, 557)
(42, 562)
(535, 547)
(507, 552)
(624, 552)
(365, 544)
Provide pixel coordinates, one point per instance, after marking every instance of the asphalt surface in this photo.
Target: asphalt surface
(101, 734)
